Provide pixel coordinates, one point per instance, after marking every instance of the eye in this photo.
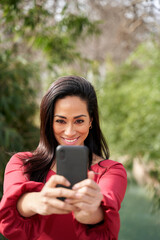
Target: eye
(79, 121)
(61, 121)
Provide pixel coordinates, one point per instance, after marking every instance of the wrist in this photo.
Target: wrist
(27, 204)
(33, 203)
(90, 218)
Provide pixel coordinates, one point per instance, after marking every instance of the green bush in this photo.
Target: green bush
(130, 106)
(17, 108)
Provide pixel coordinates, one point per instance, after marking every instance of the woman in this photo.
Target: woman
(30, 208)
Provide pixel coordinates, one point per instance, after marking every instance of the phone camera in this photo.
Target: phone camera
(62, 154)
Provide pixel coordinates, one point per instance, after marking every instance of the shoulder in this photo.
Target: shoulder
(16, 160)
(108, 166)
(107, 163)
(101, 163)
(111, 176)
(14, 171)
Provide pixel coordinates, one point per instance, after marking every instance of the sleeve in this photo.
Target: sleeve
(12, 224)
(113, 184)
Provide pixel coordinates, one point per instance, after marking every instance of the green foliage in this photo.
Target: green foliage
(2, 237)
(17, 107)
(132, 104)
(38, 26)
(34, 38)
(131, 107)
(75, 25)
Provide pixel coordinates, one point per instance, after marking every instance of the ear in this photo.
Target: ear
(90, 123)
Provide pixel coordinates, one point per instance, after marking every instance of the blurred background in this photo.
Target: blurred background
(116, 46)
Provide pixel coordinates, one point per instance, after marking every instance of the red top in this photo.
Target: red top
(112, 180)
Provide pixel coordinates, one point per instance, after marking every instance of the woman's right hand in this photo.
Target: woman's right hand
(49, 203)
(45, 202)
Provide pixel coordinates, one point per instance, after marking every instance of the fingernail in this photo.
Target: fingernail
(68, 183)
(75, 187)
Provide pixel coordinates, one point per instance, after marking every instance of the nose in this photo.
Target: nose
(70, 130)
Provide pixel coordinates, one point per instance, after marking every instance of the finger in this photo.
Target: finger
(87, 191)
(89, 197)
(88, 182)
(91, 175)
(83, 206)
(60, 205)
(58, 211)
(53, 210)
(58, 192)
(57, 179)
(86, 199)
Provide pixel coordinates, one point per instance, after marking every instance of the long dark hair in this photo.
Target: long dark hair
(38, 165)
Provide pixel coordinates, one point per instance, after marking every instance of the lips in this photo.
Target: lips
(70, 141)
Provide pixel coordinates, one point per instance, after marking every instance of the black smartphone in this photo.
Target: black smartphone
(72, 163)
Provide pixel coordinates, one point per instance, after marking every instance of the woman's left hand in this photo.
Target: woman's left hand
(88, 201)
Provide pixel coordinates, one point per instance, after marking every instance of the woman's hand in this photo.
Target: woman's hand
(49, 203)
(46, 202)
(83, 200)
(89, 197)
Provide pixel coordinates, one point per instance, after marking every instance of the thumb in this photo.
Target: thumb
(57, 179)
(91, 175)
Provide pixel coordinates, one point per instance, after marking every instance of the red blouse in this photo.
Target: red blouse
(112, 179)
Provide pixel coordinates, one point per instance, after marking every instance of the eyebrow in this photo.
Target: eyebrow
(81, 115)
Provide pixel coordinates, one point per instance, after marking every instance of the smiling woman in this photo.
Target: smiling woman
(31, 207)
(71, 122)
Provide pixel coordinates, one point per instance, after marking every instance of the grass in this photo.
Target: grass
(138, 222)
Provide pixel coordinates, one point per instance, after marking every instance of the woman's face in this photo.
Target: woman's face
(71, 121)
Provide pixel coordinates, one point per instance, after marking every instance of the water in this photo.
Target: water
(138, 222)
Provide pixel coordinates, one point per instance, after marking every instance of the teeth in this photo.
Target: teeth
(70, 141)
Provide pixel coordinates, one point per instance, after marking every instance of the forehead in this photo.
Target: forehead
(72, 104)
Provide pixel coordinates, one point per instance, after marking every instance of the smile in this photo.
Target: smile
(70, 140)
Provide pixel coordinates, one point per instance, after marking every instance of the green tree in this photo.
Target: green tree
(36, 37)
(53, 30)
(17, 107)
(131, 108)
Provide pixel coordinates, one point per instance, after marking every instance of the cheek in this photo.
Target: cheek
(84, 130)
(56, 129)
